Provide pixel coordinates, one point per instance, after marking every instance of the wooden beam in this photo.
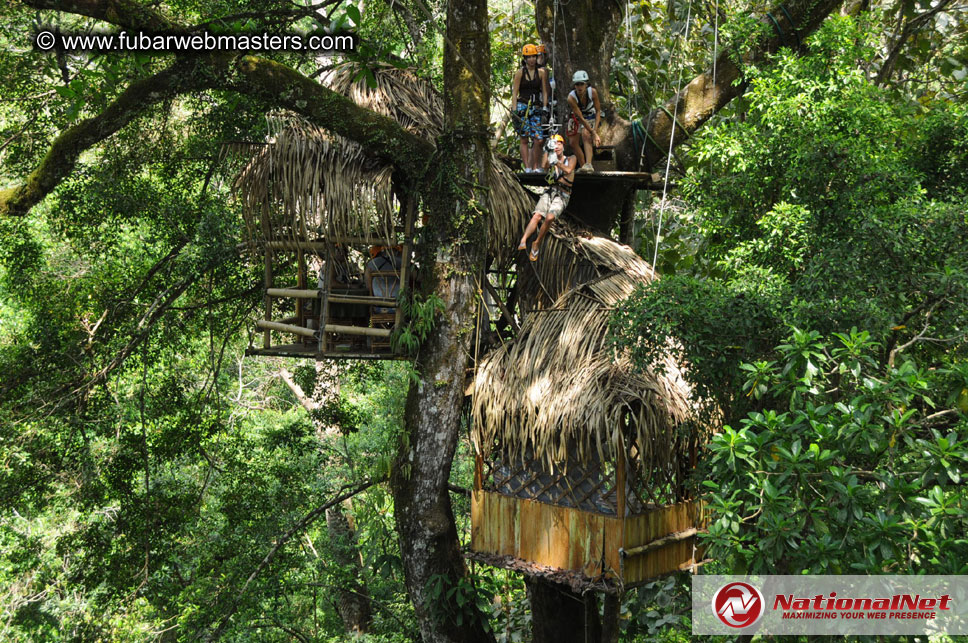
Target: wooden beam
(405, 264)
(658, 543)
(358, 330)
(327, 286)
(620, 483)
(363, 299)
(267, 276)
(300, 281)
(320, 246)
(285, 328)
(298, 293)
(334, 299)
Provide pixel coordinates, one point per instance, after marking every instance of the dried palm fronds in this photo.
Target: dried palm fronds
(559, 387)
(309, 182)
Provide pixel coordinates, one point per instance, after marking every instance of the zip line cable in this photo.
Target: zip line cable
(672, 138)
(715, 41)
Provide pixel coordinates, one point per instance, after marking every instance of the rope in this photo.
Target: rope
(675, 121)
(776, 25)
(715, 40)
(672, 137)
(793, 25)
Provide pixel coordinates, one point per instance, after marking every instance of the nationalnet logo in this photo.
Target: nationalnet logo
(830, 605)
(738, 604)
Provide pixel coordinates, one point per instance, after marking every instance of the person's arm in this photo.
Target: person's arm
(568, 165)
(574, 108)
(598, 116)
(546, 94)
(515, 86)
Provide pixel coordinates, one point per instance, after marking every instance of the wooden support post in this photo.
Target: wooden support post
(300, 284)
(266, 338)
(326, 287)
(620, 483)
(407, 248)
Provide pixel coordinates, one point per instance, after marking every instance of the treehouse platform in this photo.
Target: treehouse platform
(598, 198)
(345, 302)
(600, 180)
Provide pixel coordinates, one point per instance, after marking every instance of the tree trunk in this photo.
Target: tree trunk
(585, 39)
(353, 600)
(560, 615)
(432, 560)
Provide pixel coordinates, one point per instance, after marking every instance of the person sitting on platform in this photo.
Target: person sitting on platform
(554, 200)
(583, 101)
(382, 273)
(529, 89)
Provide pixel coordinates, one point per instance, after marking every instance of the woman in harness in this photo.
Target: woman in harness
(583, 101)
(529, 95)
(554, 200)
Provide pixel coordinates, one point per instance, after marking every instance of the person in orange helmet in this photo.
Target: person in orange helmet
(529, 95)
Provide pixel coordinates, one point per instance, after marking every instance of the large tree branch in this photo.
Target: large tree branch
(911, 27)
(182, 76)
(129, 14)
(272, 82)
(708, 93)
(378, 135)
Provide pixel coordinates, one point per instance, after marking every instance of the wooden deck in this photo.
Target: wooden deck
(638, 180)
(310, 352)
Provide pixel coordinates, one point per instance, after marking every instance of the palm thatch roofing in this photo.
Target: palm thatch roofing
(558, 385)
(308, 182)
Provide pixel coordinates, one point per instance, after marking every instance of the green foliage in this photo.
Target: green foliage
(709, 325)
(458, 602)
(831, 205)
(421, 312)
(849, 468)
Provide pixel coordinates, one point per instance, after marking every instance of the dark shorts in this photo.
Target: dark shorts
(530, 125)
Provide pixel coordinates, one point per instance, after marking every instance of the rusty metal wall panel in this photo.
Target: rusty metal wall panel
(546, 534)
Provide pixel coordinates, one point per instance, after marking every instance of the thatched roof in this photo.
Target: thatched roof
(308, 181)
(559, 387)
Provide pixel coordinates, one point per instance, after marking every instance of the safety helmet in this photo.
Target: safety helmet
(581, 76)
(558, 138)
(542, 49)
(529, 50)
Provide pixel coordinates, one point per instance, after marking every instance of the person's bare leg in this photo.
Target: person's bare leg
(576, 147)
(525, 155)
(543, 231)
(528, 231)
(537, 154)
(586, 138)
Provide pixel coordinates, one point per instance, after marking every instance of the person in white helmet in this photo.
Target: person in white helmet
(584, 119)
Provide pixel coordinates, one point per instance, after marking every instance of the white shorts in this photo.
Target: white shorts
(552, 202)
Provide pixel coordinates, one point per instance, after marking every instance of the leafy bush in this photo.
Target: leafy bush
(852, 467)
